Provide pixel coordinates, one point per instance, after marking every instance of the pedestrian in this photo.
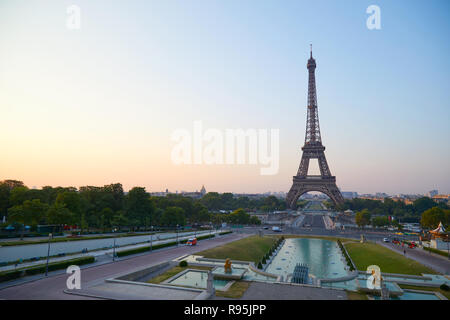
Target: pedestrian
(404, 252)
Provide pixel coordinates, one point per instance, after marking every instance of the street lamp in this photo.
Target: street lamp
(151, 240)
(114, 246)
(448, 248)
(48, 253)
(177, 235)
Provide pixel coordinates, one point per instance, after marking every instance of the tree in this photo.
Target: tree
(119, 220)
(432, 217)
(18, 196)
(422, 204)
(254, 220)
(380, 221)
(173, 216)
(362, 218)
(30, 212)
(73, 202)
(239, 216)
(59, 214)
(138, 207)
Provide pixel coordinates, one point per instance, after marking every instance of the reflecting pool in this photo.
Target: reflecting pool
(197, 279)
(323, 258)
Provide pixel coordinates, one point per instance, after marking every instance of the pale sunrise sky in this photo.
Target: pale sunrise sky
(98, 105)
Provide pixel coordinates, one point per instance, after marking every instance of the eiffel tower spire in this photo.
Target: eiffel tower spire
(312, 121)
(313, 149)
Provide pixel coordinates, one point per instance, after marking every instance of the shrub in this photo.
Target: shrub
(263, 260)
(59, 265)
(10, 275)
(444, 287)
(144, 249)
(259, 265)
(206, 236)
(442, 253)
(183, 263)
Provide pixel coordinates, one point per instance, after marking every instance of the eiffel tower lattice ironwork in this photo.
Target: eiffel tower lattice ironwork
(313, 149)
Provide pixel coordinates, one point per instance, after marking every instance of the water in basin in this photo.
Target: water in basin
(323, 258)
(197, 279)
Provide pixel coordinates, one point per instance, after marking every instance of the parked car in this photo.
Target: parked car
(191, 242)
(266, 228)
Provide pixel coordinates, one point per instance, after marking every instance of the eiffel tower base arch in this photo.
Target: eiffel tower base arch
(324, 185)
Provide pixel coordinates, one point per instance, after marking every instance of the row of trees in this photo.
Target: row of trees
(429, 219)
(226, 201)
(106, 207)
(401, 211)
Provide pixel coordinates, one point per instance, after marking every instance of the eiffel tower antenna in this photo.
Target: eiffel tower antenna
(313, 149)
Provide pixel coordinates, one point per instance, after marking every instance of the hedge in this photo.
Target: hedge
(206, 237)
(347, 258)
(154, 247)
(144, 249)
(10, 275)
(15, 274)
(442, 253)
(225, 232)
(60, 265)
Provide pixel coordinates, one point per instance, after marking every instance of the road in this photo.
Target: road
(315, 221)
(51, 288)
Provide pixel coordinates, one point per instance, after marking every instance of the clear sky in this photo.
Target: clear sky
(98, 105)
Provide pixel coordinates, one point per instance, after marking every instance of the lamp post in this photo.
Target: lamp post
(177, 235)
(114, 246)
(48, 253)
(448, 248)
(151, 240)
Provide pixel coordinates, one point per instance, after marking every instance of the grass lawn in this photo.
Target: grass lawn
(236, 290)
(248, 249)
(444, 293)
(171, 272)
(366, 254)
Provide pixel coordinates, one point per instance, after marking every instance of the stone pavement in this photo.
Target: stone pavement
(124, 291)
(275, 291)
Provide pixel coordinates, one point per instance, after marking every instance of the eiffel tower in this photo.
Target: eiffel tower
(313, 149)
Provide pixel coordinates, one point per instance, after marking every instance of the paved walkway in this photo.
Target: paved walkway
(273, 291)
(53, 286)
(434, 261)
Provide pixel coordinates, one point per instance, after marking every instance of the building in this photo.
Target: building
(194, 195)
(349, 194)
(441, 198)
(432, 193)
